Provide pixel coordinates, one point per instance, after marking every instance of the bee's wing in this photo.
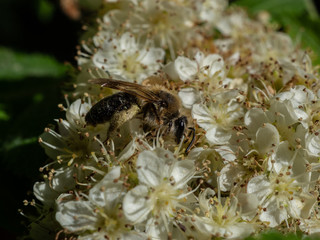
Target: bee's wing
(128, 87)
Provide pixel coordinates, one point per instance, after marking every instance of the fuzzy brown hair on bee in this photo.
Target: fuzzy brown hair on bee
(159, 107)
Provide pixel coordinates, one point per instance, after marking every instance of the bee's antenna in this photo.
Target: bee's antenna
(192, 140)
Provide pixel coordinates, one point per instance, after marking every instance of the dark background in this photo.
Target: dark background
(28, 103)
(31, 102)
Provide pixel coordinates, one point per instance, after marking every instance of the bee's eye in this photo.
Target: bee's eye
(180, 126)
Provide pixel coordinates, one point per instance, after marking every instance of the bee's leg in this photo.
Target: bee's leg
(112, 128)
(154, 110)
(150, 117)
(119, 118)
(152, 113)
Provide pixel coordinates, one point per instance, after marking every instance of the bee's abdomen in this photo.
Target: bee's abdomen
(105, 109)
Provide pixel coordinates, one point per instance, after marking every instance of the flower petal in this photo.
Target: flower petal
(267, 138)
(135, 204)
(189, 96)
(182, 172)
(153, 167)
(76, 216)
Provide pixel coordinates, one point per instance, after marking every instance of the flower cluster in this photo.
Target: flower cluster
(247, 161)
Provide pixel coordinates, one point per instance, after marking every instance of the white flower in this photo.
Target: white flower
(285, 191)
(123, 58)
(313, 143)
(162, 189)
(170, 24)
(73, 140)
(270, 54)
(101, 214)
(71, 146)
(301, 99)
(77, 150)
(210, 11)
(237, 24)
(222, 112)
(223, 219)
(274, 45)
(203, 68)
(267, 129)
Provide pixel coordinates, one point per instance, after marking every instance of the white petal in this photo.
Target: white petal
(149, 168)
(185, 68)
(299, 167)
(155, 229)
(77, 111)
(259, 186)
(313, 144)
(151, 56)
(127, 43)
(302, 209)
(135, 204)
(201, 114)
(55, 147)
(108, 193)
(249, 205)
(267, 138)
(204, 199)
(170, 69)
(240, 230)
(199, 57)
(63, 180)
(228, 176)
(128, 151)
(44, 193)
(213, 64)
(282, 111)
(217, 135)
(283, 157)
(133, 235)
(302, 94)
(226, 153)
(189, 96)
(182, 173)
(254, 119)
(273, 214)
(76, 216)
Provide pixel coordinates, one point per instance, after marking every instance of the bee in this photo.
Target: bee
(158, 106)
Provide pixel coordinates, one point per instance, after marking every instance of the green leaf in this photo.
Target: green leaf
(3, 114)
(292, 7)
(274, 235)
(16, 66)
(45, 10)
(18, 142)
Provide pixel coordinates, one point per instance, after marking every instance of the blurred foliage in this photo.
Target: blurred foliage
(299, 18)
(36, 38)
(45, 10)
(3, 114)
(17, 66)
(274, 235)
